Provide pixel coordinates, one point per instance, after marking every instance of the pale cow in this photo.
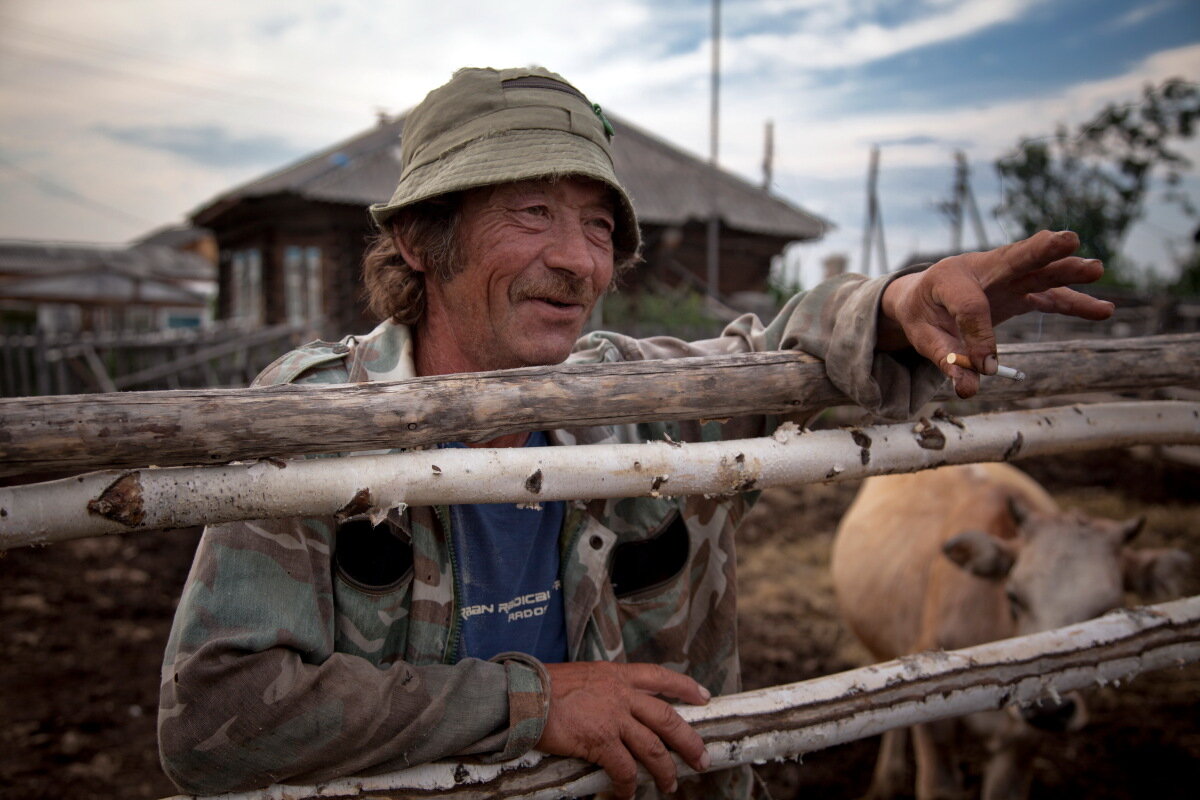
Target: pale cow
(959, 556)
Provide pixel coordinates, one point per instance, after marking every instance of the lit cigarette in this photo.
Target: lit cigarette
(964, 361)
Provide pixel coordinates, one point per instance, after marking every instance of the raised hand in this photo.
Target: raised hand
(953, 306)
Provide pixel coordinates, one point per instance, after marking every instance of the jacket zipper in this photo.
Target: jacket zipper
(572, 540)
(443, 516)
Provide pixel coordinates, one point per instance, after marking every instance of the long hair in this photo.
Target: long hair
(391, 287)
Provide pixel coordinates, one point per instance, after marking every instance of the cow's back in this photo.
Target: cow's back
(896, 590)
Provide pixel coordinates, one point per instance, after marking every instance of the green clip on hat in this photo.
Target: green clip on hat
(490, 126)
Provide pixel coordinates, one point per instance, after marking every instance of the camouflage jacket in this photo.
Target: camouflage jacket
(286, 664)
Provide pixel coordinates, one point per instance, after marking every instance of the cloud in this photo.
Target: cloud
(206, 145)
(1138, 14)
(179, 101)
(823, 166)
(834, 38)
(919, 139)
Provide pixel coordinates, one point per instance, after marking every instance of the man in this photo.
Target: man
(305, 649)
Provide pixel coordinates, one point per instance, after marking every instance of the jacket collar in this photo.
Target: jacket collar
(386, 354)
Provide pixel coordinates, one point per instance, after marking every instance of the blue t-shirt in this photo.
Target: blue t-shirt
(510, 598)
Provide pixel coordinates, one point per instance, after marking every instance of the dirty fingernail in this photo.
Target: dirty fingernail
(706, 694)
(989, 365)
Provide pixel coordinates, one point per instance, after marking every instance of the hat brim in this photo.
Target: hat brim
(514, 156)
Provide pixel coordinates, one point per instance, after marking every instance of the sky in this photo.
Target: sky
(120, 116)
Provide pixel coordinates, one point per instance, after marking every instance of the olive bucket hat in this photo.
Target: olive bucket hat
(488, 126)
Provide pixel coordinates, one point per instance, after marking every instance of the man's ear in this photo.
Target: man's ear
(406, 252)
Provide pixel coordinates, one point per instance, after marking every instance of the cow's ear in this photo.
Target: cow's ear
(1130, 528)
(1018, 508)
(980, 554)
(1156, 574)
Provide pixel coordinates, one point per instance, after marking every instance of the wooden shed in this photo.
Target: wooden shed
(67, 286)
(291, 241)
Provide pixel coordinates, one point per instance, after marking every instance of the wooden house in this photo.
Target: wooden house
(291, 242)
(71, 287)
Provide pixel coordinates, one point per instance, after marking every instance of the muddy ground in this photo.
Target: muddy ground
(84, 624)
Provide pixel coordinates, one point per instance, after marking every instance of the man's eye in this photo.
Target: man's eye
(537, 211)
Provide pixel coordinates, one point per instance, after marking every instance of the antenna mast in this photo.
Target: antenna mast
(873, 230)
(714, 219)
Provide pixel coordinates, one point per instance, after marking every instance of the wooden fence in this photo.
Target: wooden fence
(115, 501)
(788, 721)
(739, 729)
(40, 364)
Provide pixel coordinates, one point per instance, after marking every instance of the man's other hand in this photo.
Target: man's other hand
(608, 714)
(953, 306)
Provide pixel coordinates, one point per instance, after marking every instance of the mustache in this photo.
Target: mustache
(562, 287)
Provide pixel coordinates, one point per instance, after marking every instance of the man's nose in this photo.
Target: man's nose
(570, 250)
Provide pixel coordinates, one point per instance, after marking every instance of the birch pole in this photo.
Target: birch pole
(76, 433)
(174, 497)
(787, 721)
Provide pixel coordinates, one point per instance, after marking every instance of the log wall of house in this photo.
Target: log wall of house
(272, 224)
(679, 255)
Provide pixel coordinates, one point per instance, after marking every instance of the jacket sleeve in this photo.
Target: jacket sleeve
(253, 692)
(836, 322)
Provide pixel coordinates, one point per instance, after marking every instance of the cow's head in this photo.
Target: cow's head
(1066, 567)
(1062, 568)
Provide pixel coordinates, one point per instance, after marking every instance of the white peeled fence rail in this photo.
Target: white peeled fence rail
(787, 721)
(173, 497)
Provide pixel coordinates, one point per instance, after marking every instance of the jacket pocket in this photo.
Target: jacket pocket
(376, 559)
(642, 568)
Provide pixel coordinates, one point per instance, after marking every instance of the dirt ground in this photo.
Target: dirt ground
(84, 625)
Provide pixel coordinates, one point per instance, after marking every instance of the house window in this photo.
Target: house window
(247, 286)
(302, 283)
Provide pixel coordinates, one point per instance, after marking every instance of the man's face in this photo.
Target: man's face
(537, 256)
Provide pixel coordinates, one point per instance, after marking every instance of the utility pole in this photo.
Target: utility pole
(768, 156)
(873, 229)
(963, 199)
(714, 218)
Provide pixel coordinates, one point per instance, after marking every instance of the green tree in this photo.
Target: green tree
(1095, 180)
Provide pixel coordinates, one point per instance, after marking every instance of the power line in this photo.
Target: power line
(59, 189)
(68, 52)
(103, 47)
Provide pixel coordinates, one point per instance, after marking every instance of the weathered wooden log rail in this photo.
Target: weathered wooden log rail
(786, 721)
(173, 497)
(70, 434)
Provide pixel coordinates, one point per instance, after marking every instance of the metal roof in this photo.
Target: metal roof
(668, 185)
(31, 258)
(99, 287)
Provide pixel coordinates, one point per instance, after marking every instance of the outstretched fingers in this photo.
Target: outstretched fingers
(954, 305)
(1030, 254)
(1066, 301)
